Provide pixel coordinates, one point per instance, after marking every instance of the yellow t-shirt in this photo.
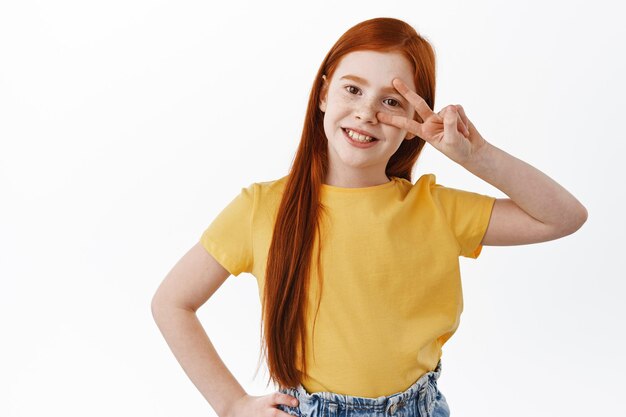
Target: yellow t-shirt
(391, 282)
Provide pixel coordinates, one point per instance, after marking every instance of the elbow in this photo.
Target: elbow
(162, 305)
(156, 306)
(584, 214)
(577, 219)
(581, 217)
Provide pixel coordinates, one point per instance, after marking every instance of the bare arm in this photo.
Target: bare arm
(538, 209)
(189, 284)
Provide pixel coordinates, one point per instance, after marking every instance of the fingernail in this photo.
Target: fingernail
(294, 402)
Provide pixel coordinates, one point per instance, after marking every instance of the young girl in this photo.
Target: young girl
(357, 266)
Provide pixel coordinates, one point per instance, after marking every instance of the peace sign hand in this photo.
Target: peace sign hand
(449, 131)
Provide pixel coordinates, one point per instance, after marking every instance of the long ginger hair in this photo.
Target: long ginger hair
(296, 228)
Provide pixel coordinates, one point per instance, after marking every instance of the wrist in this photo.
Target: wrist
(479, 156)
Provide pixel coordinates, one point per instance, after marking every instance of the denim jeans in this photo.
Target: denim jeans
(422, 399)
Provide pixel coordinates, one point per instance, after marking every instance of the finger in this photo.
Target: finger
(461, 127)
(278, 411)
(450, 120)
(285, 399)
(464, 117)
(421, 107)
(400, 122)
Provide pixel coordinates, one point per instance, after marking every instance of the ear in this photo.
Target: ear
(323, 94)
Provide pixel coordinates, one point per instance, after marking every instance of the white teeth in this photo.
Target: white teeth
(359, 137)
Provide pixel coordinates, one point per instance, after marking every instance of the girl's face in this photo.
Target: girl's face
(360, 87)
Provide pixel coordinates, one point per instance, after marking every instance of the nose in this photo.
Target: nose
(366, 112)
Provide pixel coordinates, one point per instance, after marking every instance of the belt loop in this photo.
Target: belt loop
(426, 400)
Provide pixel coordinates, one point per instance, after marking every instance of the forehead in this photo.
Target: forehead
(378, 68)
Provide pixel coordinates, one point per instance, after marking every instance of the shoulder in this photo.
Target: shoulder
(426, 188)
(271, 186)
(424, 184)
(428, 183)
(424, 179)
(269, 190)
(264, 195)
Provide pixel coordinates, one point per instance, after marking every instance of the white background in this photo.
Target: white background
(126, 127)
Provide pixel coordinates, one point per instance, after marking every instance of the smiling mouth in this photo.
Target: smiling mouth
(357, 140)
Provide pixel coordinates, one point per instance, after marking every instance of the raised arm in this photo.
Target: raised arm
(538, 209)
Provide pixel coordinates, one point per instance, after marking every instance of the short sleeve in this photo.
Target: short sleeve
(229, 236)
(468, 215)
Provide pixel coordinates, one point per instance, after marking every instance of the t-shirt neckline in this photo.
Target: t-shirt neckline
(352, 190)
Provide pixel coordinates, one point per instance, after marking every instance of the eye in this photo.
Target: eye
(351, 86)
(396, 101)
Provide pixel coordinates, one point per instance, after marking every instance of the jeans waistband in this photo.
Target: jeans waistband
(423, 391)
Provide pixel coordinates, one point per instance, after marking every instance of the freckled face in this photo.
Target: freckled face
(353, 102)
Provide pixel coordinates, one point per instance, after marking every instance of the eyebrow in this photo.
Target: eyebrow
(364, 81)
